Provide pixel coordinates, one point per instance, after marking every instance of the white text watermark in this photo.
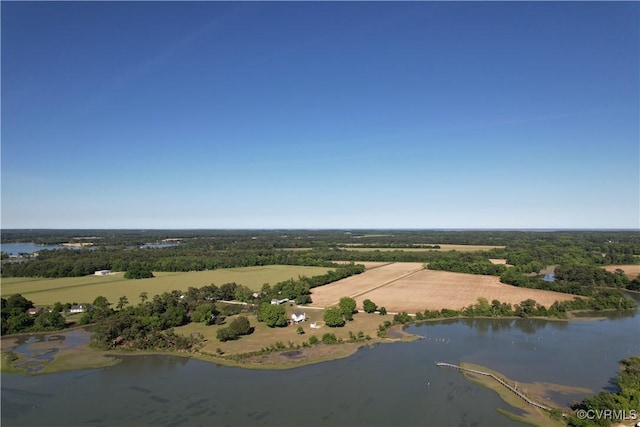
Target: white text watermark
(607, 414)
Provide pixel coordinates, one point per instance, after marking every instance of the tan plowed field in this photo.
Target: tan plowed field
(632, 271)
(328, 295)
(408, 287)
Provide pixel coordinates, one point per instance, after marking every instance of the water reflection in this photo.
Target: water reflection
(390, 384)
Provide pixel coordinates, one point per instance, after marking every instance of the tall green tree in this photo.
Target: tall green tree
(333, 317)
(369, 306)
(122, 301)
(272, 315)
(347, 307)
(240, 325)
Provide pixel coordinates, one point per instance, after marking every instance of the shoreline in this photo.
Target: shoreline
(532, 415)
(83, 356)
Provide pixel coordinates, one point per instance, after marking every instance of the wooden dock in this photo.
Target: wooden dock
(488, 374)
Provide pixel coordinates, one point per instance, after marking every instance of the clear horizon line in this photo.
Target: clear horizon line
(333, 228)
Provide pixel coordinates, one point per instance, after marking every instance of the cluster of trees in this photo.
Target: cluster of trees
(621, 402)
(298, 290)
(591, 276)
(238, 326)
(273, 315)
(604, 299)
(138, 271)
(336, 317)
(466, 262)
(149, 324)
(369, 306)
(574, 279)
(16, 319)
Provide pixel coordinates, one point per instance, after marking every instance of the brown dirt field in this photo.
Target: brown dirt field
(421, 248)
(468, 248)
(632, 271)
(329, 295)
(500, 261)
(435, 290)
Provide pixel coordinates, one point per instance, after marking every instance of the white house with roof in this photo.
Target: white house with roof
(78, 308)
(102, 272)
(298, 317)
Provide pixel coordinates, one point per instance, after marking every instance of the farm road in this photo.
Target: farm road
(355, 286)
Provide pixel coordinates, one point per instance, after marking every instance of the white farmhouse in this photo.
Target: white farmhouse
(298, 317)
(78, 308)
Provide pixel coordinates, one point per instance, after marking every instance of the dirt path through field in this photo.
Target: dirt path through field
(384, 284)
(329, 295)
(409, 287)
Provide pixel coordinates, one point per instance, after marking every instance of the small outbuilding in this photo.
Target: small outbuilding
(102, 272)
(34, 311)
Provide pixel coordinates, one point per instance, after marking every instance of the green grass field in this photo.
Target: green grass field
(85, 289)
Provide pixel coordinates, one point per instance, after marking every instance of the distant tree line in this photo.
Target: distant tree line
(466, 262)
(545, 244)
(605, 299)
(573, 279)
(211, 249)
(73, 263)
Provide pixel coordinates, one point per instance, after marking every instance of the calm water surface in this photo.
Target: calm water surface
(26, 248)
(388, 385)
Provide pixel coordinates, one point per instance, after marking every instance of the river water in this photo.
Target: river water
(26, 248)
(387, 385)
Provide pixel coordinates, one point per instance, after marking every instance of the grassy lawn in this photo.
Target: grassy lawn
(264, 337)
(85, 289)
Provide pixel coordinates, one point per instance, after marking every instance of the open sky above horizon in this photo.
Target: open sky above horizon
(320, 115)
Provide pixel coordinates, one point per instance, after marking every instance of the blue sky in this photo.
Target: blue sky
(320, 115)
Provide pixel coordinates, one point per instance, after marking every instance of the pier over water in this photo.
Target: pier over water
(488, 374)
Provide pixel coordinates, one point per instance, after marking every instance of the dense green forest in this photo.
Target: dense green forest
(549, 244)
(16, 317)
(118, 250)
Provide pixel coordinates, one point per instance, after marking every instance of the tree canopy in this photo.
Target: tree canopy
(272, 315)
